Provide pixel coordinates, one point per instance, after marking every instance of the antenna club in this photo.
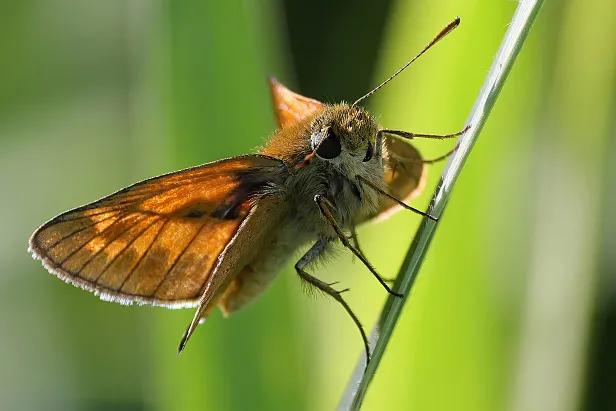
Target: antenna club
(445, 31)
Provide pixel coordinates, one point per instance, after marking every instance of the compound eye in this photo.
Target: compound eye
(369, 153)
(330, 146)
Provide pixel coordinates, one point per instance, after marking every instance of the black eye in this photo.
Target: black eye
(369, 153)
(330, 146)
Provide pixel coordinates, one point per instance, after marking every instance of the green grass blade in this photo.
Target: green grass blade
(510, 48)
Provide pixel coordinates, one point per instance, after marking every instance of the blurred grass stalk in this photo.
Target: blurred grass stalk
(562, 297)
(510, 48)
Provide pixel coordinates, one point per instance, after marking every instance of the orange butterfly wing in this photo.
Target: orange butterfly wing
(406, 173)
(158, 241)
(290, 107)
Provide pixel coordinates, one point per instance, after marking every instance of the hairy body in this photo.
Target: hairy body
(300, 222)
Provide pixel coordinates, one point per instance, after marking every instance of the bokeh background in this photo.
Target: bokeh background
(515, 307)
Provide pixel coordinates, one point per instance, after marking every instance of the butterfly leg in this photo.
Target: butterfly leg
(409, 136)
(314, 252)
(391, 197)
(355, 240)
(327, 208)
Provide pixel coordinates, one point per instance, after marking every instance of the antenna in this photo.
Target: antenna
(448, 29)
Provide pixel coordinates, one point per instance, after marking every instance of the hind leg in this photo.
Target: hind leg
(315, 251)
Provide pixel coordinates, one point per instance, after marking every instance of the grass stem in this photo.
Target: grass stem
(510, 48)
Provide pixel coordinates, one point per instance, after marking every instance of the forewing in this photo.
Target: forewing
(291, 107)
(157, 241)
(405, 176)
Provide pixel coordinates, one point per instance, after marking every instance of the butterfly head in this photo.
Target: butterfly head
(345, 134)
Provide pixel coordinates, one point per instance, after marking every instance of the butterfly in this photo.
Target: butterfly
(215, 235)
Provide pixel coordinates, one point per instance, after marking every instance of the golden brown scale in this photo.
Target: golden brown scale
(278, 146)
(155, 242)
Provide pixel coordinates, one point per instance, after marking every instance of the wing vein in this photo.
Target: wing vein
(80, 230)
(120, 253)
(120, 218)
(132, 270)
(178, 258)
(81, 217)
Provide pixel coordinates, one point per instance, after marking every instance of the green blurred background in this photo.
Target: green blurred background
(515, 307)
